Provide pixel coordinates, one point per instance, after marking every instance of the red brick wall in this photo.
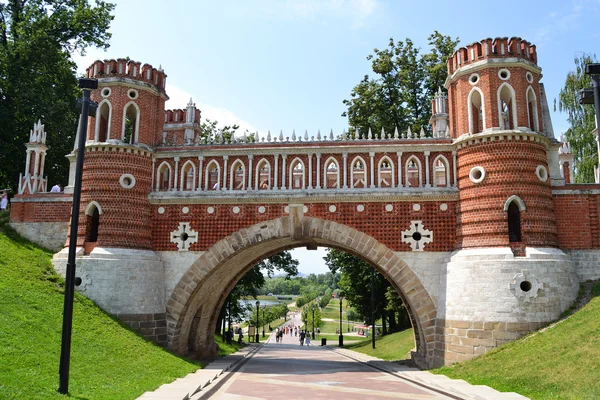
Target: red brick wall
(46, 211)
(577, 220)
(126, 216)
(510, 167)
(374, 220)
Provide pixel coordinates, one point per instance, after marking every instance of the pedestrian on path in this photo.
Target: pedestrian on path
(4, 201)
(302, 336)
(307, 340)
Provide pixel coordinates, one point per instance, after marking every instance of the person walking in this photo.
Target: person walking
(302, 336)
(307, 340)
(4, 201)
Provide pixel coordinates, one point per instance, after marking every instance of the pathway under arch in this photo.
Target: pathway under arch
(196, 300)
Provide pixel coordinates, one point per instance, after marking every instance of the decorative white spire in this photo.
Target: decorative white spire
(370, 135)
(409, 133)
(318, 134)
(37, 134)
(306, 135)
(268, 136)
(294, 135)
(422, 133)
(396, 136)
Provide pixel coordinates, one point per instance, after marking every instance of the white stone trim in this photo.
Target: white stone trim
(89, 209)
(123, 178)
(475, 171)
(520, 203)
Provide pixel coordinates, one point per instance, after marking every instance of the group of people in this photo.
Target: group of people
(4, 196)
(292, 330)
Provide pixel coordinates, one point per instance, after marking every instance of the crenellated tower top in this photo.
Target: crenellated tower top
(497, 48)
(123, 68)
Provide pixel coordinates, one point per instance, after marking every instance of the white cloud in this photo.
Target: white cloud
(179, 98)
(556, 24)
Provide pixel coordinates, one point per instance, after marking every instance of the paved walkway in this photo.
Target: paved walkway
(289, 371)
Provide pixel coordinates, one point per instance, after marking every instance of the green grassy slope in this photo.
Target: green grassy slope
(108, 361)
(395, 346)
(562, 362)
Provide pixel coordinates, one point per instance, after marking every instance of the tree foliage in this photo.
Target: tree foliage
(355, 286)
(400, 95)
(37, 76)
(581, 119)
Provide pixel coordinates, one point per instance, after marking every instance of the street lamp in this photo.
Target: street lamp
(313, 321)
(87, 109)
(341, 344)
(263, 322)
(592, 96)
(257, 338)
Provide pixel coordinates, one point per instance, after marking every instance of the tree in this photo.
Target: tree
(355, 285)
(37, 76)
(581, 119)
(400, 96)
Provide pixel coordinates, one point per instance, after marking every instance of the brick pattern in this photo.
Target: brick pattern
(151, 326)
(510, 170)
(44, 210)
(126, 219)
(577, 220)
(457, 341)
(375, 221)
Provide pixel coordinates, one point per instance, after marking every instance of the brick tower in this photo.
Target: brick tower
(506, 227)
(115, 225)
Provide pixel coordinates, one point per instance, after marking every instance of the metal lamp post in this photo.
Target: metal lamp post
(341, 339)
(373, 307)
(257, 338)
(592, 96)
(313, 322)
(87, 108)
(263, 322)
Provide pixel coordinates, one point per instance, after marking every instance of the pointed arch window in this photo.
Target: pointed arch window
(103, 116)
(92, 212)
(413, 172)
(188, 176)
(238, 176)
(532, 110)
(507, 107)
(476, 112)
(263, 175)
(131, 123)
(213, 176)
(297, 178)
(332, 174)
(358, 172)
(441, 171)
(385, 174)
(513, 207)
(163, 177)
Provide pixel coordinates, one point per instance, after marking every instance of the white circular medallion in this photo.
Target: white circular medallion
(443, 206)
(389, 207)
(477, 174)
(504, 74)
(127, 181)
(360, 208)
(286, 209)
(332, 208)
(416, 207)
(305, 209)
(236, 210)
(542, 173)
(185, 210)
(210, 210)
(161, 210)
(262, 209)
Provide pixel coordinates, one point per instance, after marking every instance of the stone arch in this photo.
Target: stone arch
(520, 203)
(445, 173)
(407, 169)
(203, 288)
(354, 170)
(297, 163)
(103, 117)
(237, 176)
(382, 174)
(532, 110)
(188, 176)
(327, 173)
(506, 96)
(164, 171)
(476, 101)
(131, 111)
(262, 181)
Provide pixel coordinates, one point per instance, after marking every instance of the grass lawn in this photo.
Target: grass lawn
(395, 346)
(562, 362)
(108, 361)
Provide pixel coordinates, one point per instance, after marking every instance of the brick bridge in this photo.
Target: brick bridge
(474, 223)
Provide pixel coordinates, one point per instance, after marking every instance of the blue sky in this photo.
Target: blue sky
(282, 65)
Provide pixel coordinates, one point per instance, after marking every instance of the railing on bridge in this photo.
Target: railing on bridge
(271, 166)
